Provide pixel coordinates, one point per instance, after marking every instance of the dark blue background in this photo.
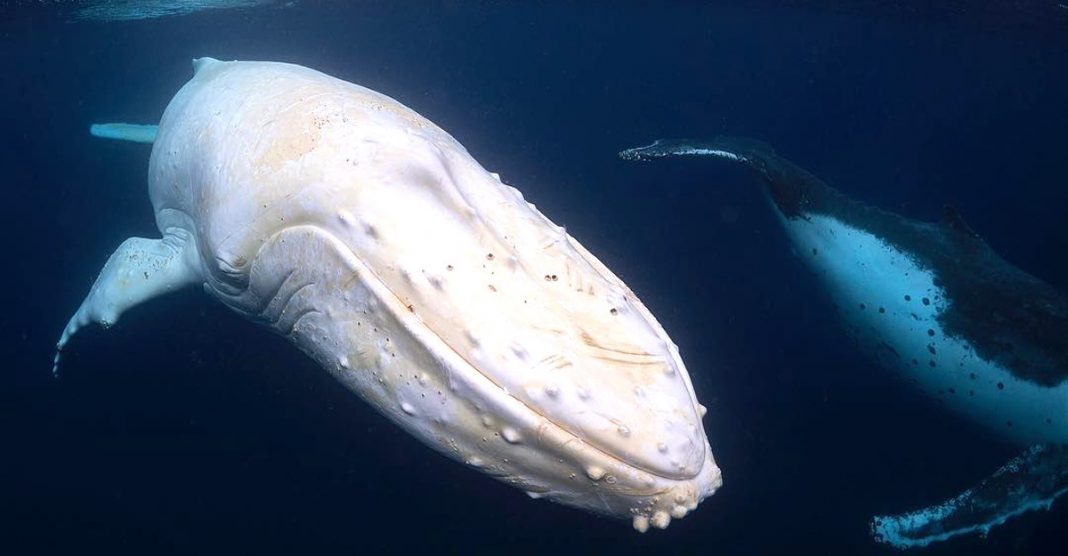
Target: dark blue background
(186, 429)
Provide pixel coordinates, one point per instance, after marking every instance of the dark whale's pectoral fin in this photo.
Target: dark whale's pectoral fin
(1030, 481)
(793, 190)
(732, 148)
(139, 270)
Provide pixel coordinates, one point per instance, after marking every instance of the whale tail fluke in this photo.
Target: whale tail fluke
(1030, 481)
(125, 132)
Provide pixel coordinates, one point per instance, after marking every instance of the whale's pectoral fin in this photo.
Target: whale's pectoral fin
(1030, 481)
(139, 270)
(125, 132)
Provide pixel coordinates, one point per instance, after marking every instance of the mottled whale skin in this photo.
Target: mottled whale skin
(938, 306)
(369, 237)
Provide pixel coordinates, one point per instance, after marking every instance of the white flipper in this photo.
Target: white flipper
(135, 133)
(139, 270)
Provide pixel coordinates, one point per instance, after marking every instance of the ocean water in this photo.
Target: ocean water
(186, 429)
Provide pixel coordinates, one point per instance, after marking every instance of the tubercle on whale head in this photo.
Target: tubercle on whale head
(373, 240)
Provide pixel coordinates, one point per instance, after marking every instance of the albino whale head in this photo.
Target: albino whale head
(372, 239)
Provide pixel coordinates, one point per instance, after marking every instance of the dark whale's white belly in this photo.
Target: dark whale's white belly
(890, 305)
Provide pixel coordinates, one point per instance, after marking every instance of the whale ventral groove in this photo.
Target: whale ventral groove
(995, 305)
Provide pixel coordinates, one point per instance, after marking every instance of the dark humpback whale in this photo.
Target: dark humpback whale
(934, 303)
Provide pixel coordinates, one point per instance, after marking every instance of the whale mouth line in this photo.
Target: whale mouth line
(405, 317)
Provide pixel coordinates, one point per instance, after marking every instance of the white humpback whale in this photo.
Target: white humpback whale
(371, 239)
(933, 302)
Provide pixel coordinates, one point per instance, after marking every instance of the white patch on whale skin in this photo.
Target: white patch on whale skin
(890, 306)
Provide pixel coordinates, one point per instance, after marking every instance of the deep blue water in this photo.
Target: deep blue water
(186, 429)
